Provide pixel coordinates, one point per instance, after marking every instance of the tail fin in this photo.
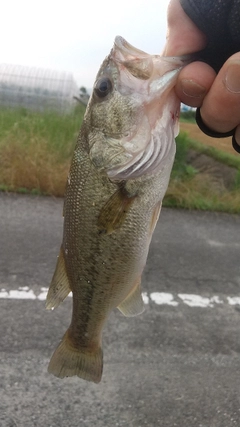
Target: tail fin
(68, 361)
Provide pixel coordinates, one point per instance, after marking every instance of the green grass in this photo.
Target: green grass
(191, 189)
(187, 116)
(58, 131)
(221, 156)
(36, 151)
(184, 144)
(181, 170)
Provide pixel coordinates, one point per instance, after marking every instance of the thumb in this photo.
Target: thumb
(183, 36)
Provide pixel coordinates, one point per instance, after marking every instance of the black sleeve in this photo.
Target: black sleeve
(220, 21)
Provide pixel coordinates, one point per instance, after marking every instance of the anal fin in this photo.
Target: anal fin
(133, 304)
(59, 287)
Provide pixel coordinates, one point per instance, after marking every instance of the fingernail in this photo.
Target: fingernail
(192, 89)
(232, 79)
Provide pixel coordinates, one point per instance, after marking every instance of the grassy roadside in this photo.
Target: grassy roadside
(191, 188)
(36, 150)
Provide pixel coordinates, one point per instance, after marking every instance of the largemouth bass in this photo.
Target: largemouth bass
(118, 177)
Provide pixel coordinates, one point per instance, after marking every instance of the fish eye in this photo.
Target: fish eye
(103, 87)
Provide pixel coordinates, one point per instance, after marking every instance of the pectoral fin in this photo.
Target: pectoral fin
(59, 287)
(133, 304)
(114, 212)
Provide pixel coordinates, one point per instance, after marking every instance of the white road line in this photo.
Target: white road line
(199, 301)
(158, 298)
(163, 298)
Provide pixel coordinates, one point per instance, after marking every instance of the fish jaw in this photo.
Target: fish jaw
(145, 84)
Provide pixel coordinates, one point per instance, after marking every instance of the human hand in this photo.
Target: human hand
(197, 84)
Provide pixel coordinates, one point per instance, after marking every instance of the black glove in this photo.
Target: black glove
(220, 21)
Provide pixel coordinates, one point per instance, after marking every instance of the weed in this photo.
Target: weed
(188, 116)
(36, 151)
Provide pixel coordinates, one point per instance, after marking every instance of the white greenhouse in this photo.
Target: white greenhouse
(37, 89)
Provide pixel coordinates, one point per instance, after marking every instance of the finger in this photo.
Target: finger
(220, 109)
(183, 35)
(194, 81)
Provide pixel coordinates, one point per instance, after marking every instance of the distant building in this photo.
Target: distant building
(36, 89)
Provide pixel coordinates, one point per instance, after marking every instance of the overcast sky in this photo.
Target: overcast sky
(76, 36)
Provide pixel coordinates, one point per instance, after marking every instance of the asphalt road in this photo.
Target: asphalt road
(178, 364)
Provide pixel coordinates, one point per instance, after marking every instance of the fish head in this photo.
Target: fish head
(132, 116)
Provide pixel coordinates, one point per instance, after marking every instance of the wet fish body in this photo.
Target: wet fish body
(118, 177)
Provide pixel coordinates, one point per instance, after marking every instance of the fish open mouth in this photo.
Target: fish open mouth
(149, 80)
(124, 51)
(137, 62)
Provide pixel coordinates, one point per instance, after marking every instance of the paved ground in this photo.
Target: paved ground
(178, 364)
